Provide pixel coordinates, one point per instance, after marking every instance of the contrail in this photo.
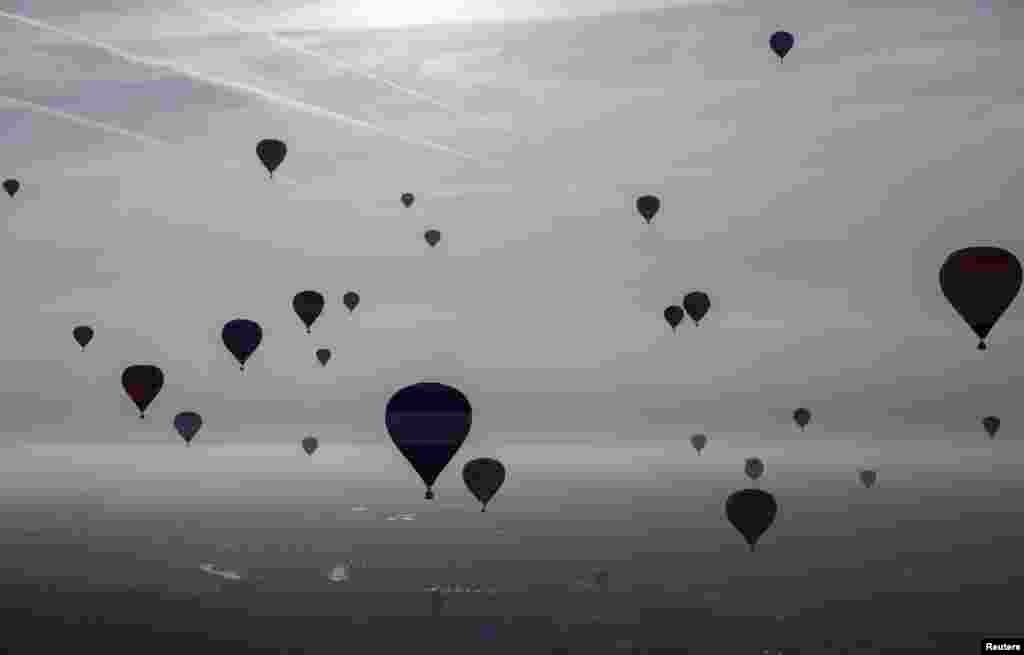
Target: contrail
(238, 87)
(105, 127)
(339, 65)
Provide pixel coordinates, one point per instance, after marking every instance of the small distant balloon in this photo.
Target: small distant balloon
(991, 424)
(242, 337)
(697, 304)
(350, 300)
(698, 441)
(187, 424)
(751, 512)
(648, 206)
(868, 478)
(310, 444)
(483, 477)
(981, 283)
(802, 417)
(433, 237)
(308, 305)
(83, 335)
(674, 316)
(753, 467)
(781, 43)
(11, 187)
(271, 152)
(142, 383)
(323, 355)
(408, 199)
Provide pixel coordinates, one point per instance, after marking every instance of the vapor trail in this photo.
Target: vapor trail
(241, 87)
(338, 64)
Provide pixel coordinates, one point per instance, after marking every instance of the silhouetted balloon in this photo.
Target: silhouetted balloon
(11, 187)
(981, 283)
(271, 152)
(752, 512)
(802, 417)
(868, 478)
(697, 304)
(310, 444)
(674, 316)
(187, 424)
(698, 441)
(408, 199)
(433, 237)
(428, 422)
(991, 424)
(781, 43)
(648, 206)
(753, 467)
(308, 305)
(242, 337)
(83, 335)
(483, 477)
(350, 300)
(142, 382)
(324, 355)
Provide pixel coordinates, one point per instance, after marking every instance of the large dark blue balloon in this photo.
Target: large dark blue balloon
(781, 43)
(697, 304)
(142, 382)
(187, 424)
(981, 282)
(483, 477)
(242, 337)
(752, 512)
(428, 422)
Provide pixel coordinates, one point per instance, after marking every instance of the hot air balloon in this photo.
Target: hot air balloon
(751, 512)
(483, 477)
(802, 416)
(698, 441)
(428, 422)
(868, 478)
(350, 300)
(11, 187)
(308, 305)
(408, 199)
(242, 337)
(187, 424)
(142, 382)
(753, 467)
(781, 43)
(310, 444)
(674, 316)
(981, 283)
(697, 304)
(648, 206)
(271, 152)
(433, 237)
(324, 356)
(991, 424)
(83, 335)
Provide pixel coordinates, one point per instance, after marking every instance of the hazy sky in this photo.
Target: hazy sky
(813, 200)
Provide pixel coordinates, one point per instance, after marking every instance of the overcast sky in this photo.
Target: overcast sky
(814, 200)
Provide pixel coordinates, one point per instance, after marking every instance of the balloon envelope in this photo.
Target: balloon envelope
(271, 152)
(699, 441)
(751, 512)
(781, 43)
(242, 337)
(324, 356)
(350, 300)
(187, 424)
(697, 304)
(483, 477)
(868, 478)
(407, 199)
(802, 417)
(310, 444)
(980, 283)
(674, 316)
(753, 467)
(11, 187)
(991, 424)
(142, 382)
(648, 206)
(83, 335)
(433, 237)
(308, 305)
(428, 422)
